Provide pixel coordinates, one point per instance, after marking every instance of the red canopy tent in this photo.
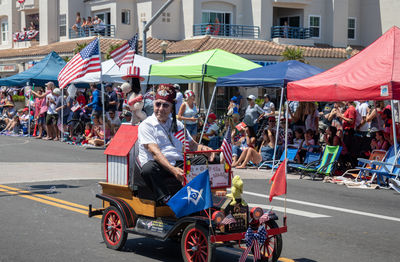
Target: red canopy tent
(372, 74)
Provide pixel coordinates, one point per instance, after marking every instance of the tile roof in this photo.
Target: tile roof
(236, 46)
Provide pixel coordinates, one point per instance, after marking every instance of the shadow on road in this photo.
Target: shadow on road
(304, 260)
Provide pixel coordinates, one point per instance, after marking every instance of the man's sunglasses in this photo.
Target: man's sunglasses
(164, 105)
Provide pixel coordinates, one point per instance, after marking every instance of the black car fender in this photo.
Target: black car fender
(126, 211)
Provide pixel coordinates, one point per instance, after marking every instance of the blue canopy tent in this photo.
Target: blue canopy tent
(274, 76)
(42, 72)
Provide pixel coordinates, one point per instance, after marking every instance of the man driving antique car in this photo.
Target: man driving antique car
(160, 151)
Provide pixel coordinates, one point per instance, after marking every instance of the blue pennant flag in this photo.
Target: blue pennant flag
(194, 197)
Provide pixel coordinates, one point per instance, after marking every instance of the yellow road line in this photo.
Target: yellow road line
(44, 201)
(63, 204)
(45, 197)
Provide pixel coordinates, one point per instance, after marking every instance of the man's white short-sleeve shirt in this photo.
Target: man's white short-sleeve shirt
(151, 131)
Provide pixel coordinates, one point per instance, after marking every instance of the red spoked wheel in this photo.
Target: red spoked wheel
(272, 248)
(195, 245)
(113, 228)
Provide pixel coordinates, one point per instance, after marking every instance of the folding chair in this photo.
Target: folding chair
(389, 169)
(291, 154)
(359, 172)
(323, 167)
(309, 158)
(375, 167)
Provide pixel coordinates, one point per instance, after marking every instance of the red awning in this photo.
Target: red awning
(123, 141)
(372, 74)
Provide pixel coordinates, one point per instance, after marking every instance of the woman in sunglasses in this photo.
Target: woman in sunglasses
(160, 150)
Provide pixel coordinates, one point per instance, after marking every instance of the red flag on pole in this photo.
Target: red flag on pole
(278, 180)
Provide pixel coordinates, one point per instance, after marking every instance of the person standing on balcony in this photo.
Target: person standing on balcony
(285, 30)
(77, 26)
(99, 26)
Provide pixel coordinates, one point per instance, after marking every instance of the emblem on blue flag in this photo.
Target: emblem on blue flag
(194, 197)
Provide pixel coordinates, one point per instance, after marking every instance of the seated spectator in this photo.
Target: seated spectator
(24, 120)
(248, 140)
(330, 137)
(126, 118)
(265, 153)
(97, 134)
(379, 142)
(211, 128)
(298, 138)
(13, 123)
(306, 146)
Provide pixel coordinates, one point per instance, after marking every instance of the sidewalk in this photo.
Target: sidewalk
(36, 172)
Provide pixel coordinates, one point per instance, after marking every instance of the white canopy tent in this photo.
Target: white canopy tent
(112, 73)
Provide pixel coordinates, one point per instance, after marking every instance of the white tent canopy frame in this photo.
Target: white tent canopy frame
(111, 73)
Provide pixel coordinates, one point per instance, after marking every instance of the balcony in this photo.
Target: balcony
(228, 30)
(289, 35)
(103, 30)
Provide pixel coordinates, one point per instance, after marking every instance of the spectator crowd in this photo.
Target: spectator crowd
(358, 127)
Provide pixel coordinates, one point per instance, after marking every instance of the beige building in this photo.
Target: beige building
(319, 26)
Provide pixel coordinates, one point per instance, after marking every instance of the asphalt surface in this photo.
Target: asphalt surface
(326, 222)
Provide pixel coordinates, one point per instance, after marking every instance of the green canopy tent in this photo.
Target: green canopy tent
(204, 66)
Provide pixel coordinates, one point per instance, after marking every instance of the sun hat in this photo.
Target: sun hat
(234, 99)
(252, 97)
(133, 72)
(177, 87)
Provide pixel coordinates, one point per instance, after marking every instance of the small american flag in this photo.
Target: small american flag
(229, 219)
(86, 61)
(227, 147)
(125, 54)
(180, 135)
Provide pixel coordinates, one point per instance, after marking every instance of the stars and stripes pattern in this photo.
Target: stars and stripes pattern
(254, 239)
(86, 61)
(125, 54)
(226, 147)
(229, 219)
(180, 135)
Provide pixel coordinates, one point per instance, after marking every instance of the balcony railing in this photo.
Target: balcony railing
(103, 30)
(290, 32)
(217, 29)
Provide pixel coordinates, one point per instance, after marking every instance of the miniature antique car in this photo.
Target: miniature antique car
(129, 207)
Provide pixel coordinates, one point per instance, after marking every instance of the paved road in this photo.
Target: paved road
(326, 222)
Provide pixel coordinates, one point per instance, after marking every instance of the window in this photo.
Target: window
(4, 31)
(126, 17)
(62, 23)
(351, 28)
(315, 25)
